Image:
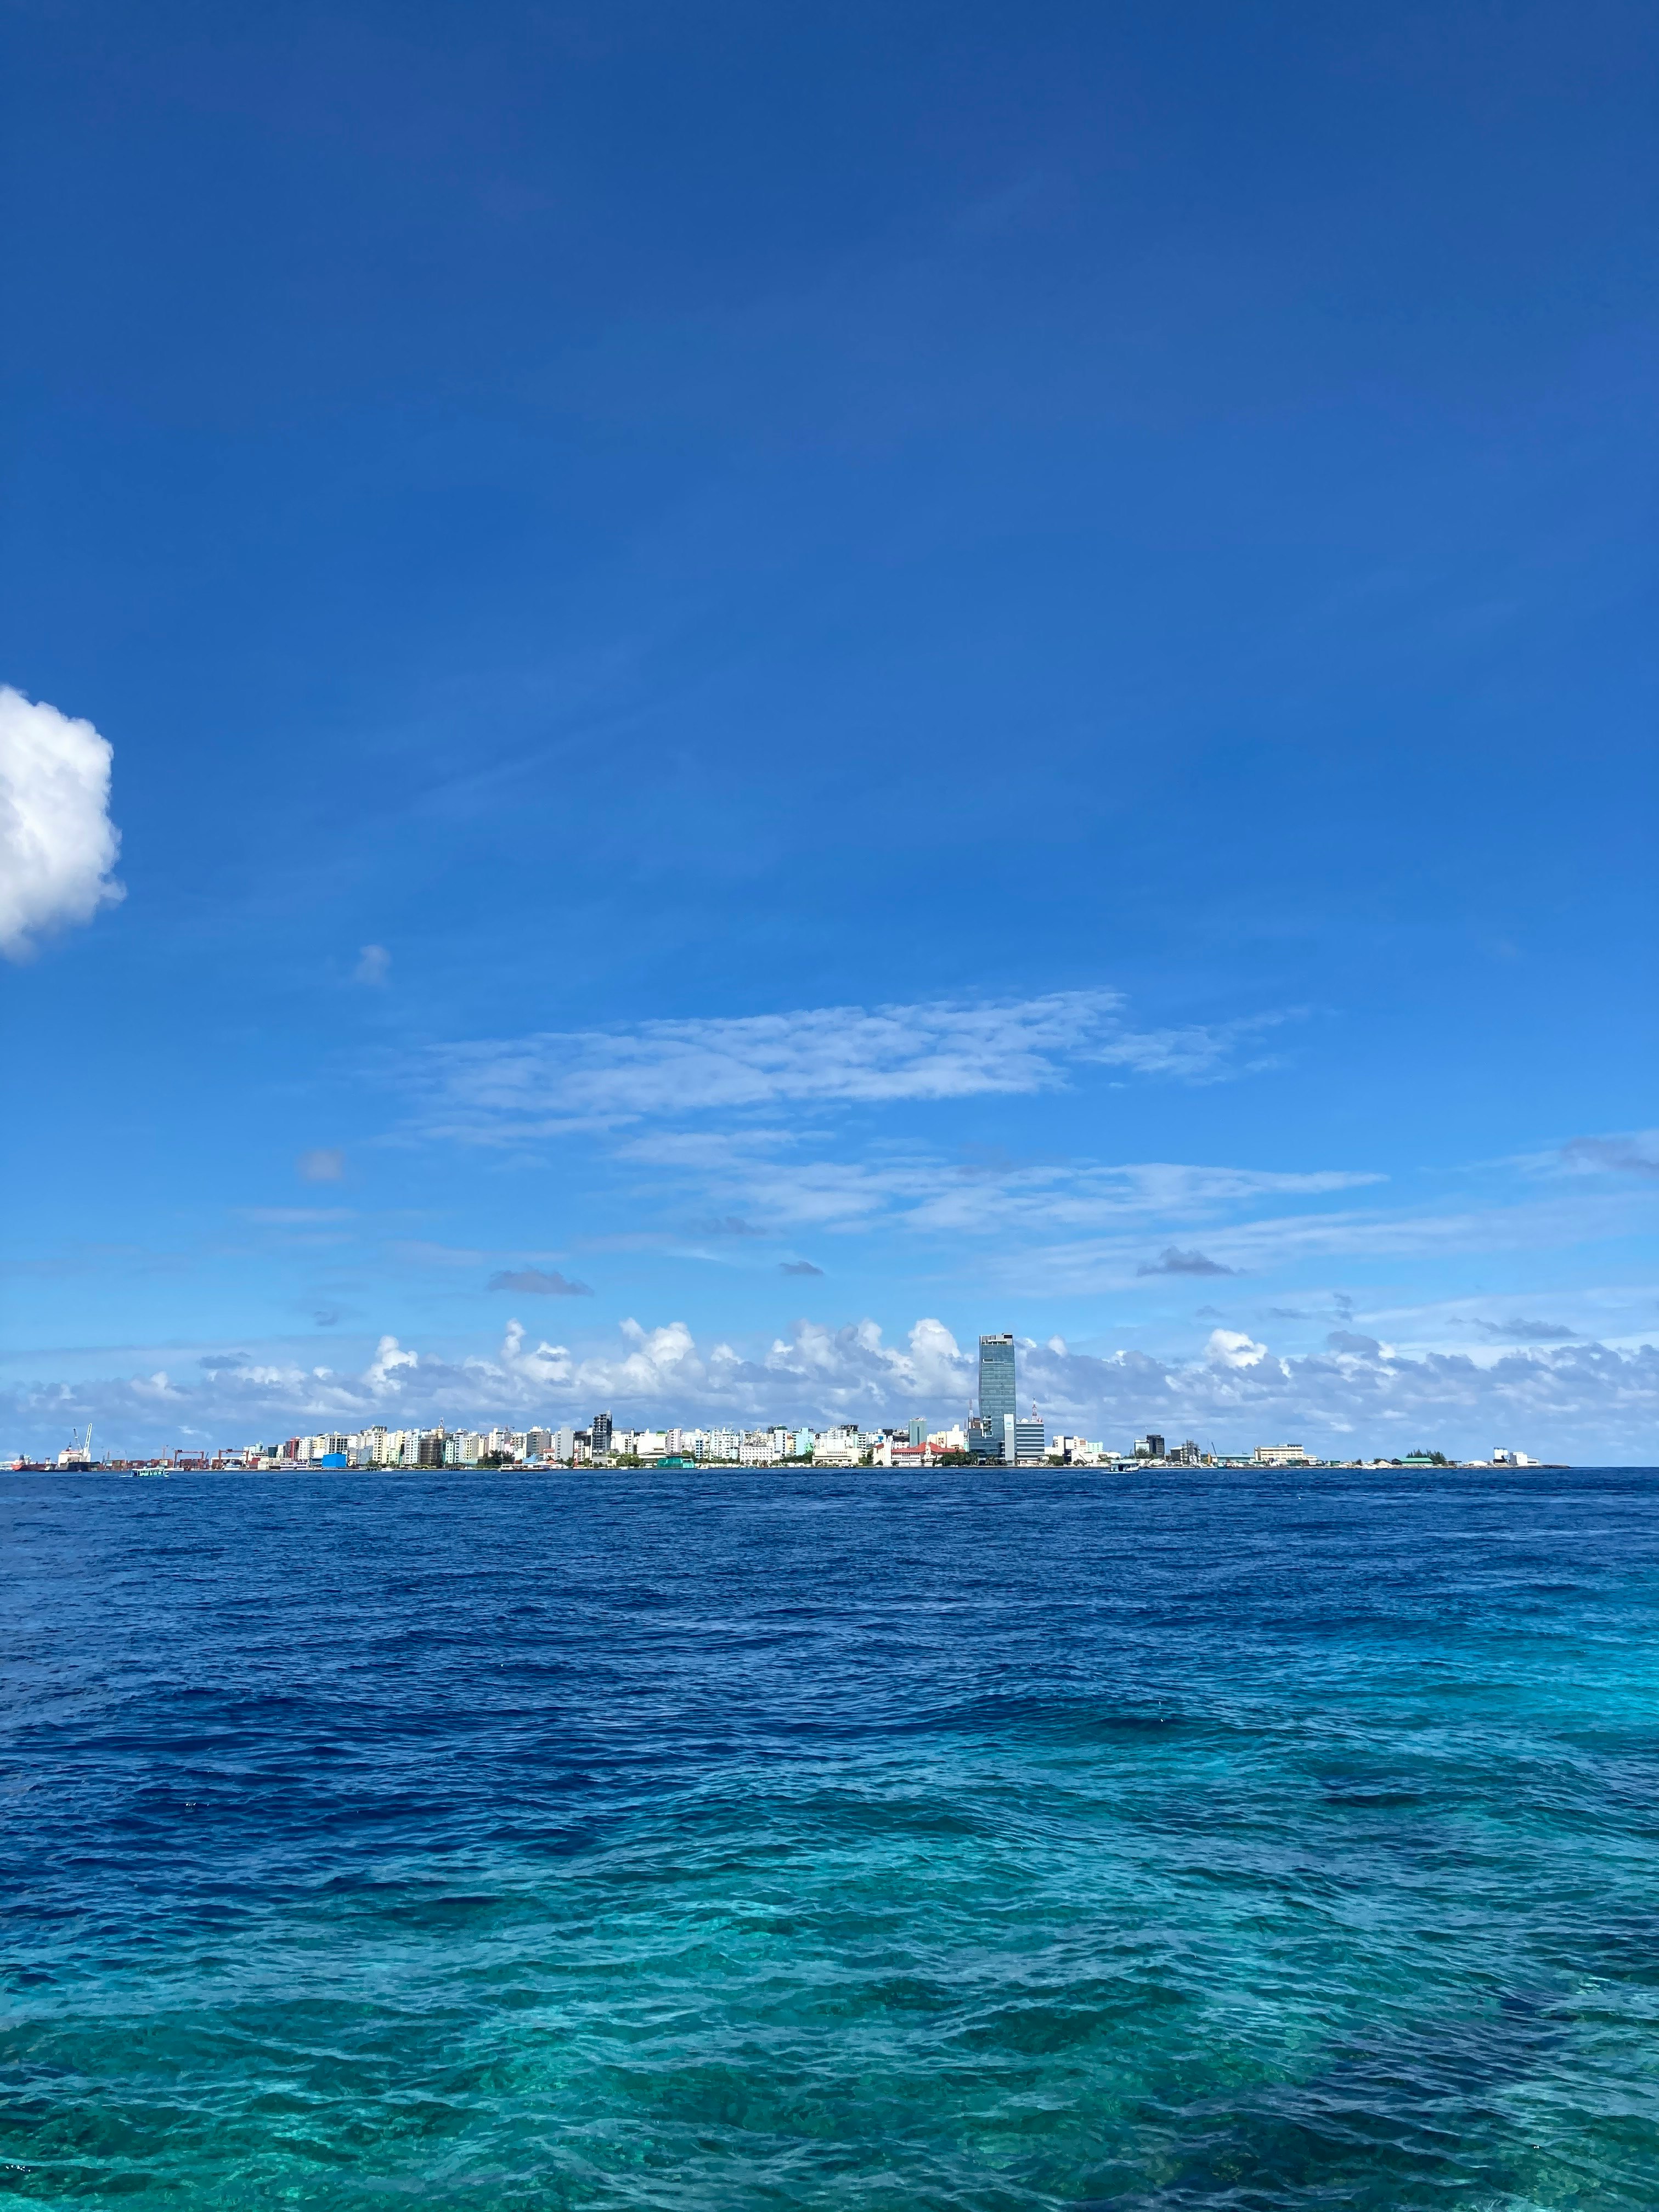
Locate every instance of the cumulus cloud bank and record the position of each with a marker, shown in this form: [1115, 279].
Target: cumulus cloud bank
[1584, 1402]
[58, 844]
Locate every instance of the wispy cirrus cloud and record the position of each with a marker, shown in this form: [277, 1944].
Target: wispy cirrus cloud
[1636, 1153]
[1278, 1240]
[762, 1171]
[503, 1090]
[290, 1217]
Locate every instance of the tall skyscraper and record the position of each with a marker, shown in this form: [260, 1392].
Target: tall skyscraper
[601, 1433]
[996, 1383]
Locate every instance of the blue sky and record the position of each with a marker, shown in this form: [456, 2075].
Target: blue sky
[784, 684]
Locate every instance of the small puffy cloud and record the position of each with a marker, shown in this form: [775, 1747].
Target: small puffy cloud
[1635, 1154]
[798, 1268]
[1171, 1261]
[1230, 1347]
[729, 1225]
[1349, 1343]
[545, 1367]
[57, 844]
[391, 1367]
[324, 1163]
[538, 1282]
[1526, 1332]
[373, 965]
[657, 1362]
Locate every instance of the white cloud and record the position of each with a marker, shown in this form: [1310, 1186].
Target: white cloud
[537, 1283]
[506, 1090]
[1635, 1152]
[1257, 1248]
[1229, 1347]
[57, 844]
[326, 1164]
[853, 1370]
[931, 1193]
[1586, 1403]
[373, 965]
[391, 1367]
[545, 1366]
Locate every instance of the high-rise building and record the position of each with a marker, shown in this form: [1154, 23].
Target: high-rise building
[1022, 1441]
[600, 1434]
[1149, 1447]
[918, 1429]
[996, 1382]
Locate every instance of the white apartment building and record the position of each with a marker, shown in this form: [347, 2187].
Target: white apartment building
[1076, 1451]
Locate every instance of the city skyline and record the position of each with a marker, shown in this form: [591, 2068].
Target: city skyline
[989, 1433]
[601, 1448]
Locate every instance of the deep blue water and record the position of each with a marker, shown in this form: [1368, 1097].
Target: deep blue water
[724, 1841]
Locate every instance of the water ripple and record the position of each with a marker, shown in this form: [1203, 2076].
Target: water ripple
[741, 1843]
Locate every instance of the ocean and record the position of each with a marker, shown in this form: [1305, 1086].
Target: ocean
[715, 1842]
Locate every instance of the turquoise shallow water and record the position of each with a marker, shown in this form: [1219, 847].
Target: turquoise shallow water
[758, 1841]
